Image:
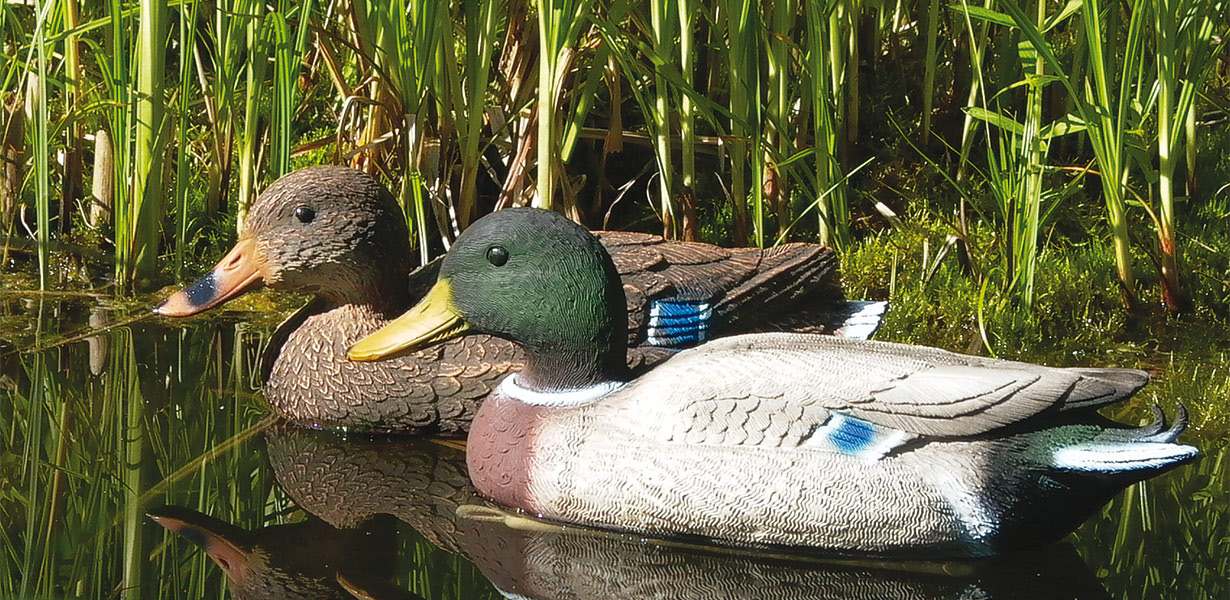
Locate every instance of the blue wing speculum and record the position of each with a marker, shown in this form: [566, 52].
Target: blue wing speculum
[678, 322]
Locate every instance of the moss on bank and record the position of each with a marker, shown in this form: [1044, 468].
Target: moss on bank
[1078, 316]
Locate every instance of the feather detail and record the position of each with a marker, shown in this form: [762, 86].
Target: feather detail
[856, 438]
[1122, 457]
[678, 322]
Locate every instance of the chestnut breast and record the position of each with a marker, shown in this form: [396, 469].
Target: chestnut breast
[501, 449]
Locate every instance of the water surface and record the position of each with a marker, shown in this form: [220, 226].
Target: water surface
[163, 418]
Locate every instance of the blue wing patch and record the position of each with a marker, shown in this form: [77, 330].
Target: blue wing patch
[857, 438]
[852, 436]
[678, 322]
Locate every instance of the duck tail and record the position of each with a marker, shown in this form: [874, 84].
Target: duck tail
[1143, 451]
[1104, 386]
[857, 319]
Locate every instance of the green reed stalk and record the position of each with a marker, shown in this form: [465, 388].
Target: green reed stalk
[482, 19]
[1108, 136]
[687, 109]
[183, 160]
[221, 84]
[664, 31]
[414, 68]
[834, 214]
[559, 22]
[37, 99]
[1028, 202]
[1016, 158]
[586, 94]
[1106, 123]
[933, 29]
[780, 99]
[979, 41]
[1192, 37]
[402, 42]
[850, 11]
[146, 179]
[288, 53]
[254, 75]
[1189, 133]
[844, 77]
[117, 93]
[71, 182]
[1165, 23]
[743, 33]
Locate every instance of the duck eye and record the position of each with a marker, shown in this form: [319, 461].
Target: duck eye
[497, 255]
[305, 214]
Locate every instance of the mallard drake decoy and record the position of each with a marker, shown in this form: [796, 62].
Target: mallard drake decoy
[770, 439]
[337, 233]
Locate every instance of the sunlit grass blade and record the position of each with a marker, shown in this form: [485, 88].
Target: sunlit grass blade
[147, 189]
[559, 23]
[183, 159]
[743, 32]
[254, 84]
[41, 122]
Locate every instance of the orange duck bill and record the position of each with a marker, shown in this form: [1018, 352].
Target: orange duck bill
[238, 272]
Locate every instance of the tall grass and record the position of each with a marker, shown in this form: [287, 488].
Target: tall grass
[752, 114]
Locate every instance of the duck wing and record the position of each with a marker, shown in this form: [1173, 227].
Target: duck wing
[784, 390]
[683, 293]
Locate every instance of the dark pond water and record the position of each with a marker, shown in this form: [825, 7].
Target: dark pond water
[149, 418]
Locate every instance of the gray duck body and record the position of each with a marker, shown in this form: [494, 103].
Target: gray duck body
[762, 456]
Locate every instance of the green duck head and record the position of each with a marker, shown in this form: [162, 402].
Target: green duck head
[331, 231]
[530, 276]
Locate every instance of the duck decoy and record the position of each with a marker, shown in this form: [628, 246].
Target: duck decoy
[337, 233]
[771, 439]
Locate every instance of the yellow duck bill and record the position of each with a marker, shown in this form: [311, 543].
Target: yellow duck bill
[434, 319]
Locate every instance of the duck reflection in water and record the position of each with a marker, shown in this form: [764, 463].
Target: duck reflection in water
[353, 486]
[306, 560]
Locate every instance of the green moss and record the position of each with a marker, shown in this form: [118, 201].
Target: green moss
[1078, 317]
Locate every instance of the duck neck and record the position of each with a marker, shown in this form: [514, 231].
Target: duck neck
[383, 291]
[578, 348]
[568, 367]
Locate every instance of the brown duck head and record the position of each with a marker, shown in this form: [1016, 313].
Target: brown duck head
[331, 231]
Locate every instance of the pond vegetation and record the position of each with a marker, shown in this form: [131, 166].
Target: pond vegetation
[1044, 181]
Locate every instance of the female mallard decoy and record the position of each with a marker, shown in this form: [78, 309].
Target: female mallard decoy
[770, 439]
[337, 233]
